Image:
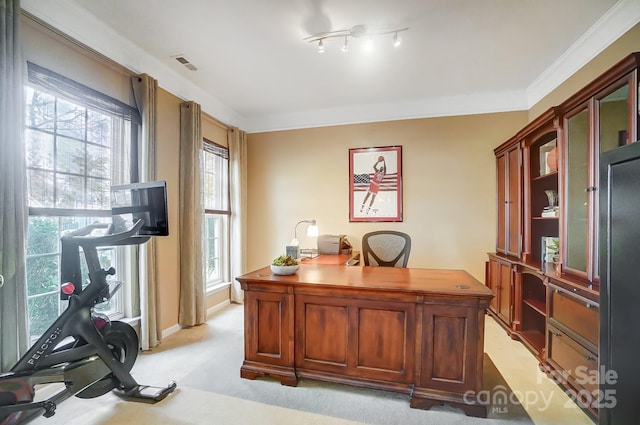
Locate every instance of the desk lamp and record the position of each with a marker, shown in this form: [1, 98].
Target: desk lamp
[293, 248]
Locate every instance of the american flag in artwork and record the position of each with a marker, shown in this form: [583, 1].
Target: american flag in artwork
[361, 182]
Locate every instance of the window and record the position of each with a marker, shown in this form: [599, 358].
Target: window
[215, 196]
[77, 143]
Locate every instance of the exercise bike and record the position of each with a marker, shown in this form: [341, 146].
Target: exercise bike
[82, 349]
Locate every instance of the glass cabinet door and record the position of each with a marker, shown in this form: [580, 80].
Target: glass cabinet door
[599, 127]
[613, 132]
[577, 133]
[613, 119]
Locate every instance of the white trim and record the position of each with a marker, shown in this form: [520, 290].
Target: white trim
[216, 308]
[613, 24]
[477, 103]
[86, 28]
[217, 287]
[170, 331]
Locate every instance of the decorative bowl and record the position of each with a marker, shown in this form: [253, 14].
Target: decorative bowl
[284, 270]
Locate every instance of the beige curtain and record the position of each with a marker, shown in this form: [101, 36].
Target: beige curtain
[13, 189]
[144, 90]
[192, 298]
[238, 193]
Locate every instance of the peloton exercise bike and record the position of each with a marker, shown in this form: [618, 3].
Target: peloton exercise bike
[83, 350]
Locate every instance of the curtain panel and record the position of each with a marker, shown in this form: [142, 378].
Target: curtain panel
[144, 90]
[238, 196]
[13, 189]
[192, 309]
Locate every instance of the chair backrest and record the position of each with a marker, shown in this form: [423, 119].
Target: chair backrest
[386, 248]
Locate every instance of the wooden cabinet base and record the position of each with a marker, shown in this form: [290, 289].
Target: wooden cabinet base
[252, 370]
[425, 399]
[412, 331]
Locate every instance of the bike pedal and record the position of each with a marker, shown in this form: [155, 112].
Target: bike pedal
[146, 393]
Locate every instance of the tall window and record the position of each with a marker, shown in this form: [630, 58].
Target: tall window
[78, 143]
[215, 196]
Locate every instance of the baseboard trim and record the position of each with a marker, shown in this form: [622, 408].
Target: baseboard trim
[170, 331]
[211, 311]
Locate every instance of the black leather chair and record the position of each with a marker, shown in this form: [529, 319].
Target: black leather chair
[386, 248]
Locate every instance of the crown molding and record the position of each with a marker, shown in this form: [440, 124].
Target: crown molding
[66, 16]
[612, 25]
[479, 103]
[82, 26]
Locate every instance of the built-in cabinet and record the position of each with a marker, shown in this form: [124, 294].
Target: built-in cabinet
[509, 186]
[500, 280]
[544, 273]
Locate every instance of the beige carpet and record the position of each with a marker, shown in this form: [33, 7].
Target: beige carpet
[205, 361]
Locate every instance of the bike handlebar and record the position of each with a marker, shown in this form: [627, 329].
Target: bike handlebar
[81, 236]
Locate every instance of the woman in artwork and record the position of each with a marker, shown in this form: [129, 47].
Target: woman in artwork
[380, 170]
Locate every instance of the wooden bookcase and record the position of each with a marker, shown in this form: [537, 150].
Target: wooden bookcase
[544, 273]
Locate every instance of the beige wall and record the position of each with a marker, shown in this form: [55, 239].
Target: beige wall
[167, 168]
[448, 178]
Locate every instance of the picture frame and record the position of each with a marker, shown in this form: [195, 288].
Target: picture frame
[549, 250]
[375, 184]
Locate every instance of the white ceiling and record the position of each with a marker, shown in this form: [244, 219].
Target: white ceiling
[256, 72]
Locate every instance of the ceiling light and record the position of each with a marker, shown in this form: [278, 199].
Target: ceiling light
[320, 46]
[368, 45]
[357, 31]
[396, 40]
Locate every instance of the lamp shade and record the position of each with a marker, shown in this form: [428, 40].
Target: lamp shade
[312, 230]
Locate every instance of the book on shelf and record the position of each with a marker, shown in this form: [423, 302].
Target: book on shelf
[550, 212]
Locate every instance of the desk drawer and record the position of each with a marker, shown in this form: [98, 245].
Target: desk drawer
[579, 363]
[578, 314]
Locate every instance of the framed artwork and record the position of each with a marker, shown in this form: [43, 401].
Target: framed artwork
[375, 184]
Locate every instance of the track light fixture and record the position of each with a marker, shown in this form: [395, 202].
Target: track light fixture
[356, 31]
[345, 46]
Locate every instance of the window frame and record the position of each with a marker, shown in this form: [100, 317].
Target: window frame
[125, 121]
[222, 214]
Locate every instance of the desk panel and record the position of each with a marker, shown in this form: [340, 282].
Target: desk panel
[416, 331]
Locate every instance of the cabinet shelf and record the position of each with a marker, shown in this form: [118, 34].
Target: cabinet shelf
[537, 305]
[545, 218]
[548, 176]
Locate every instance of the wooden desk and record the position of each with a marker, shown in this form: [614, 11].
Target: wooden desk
[415, 331]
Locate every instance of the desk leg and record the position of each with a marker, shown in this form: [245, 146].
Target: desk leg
[451, 356]
[268, 336]
[469, 405]
[253, 370]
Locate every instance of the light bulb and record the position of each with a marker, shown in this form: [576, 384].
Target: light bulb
[320, 46]
[396, 40]
[345, 47]
[368, 45]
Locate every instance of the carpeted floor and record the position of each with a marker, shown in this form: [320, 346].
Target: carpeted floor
[205, 361]
[222, 376]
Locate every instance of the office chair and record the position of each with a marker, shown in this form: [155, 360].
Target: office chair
[386, 248]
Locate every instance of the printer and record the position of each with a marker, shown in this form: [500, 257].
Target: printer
[333, 244]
